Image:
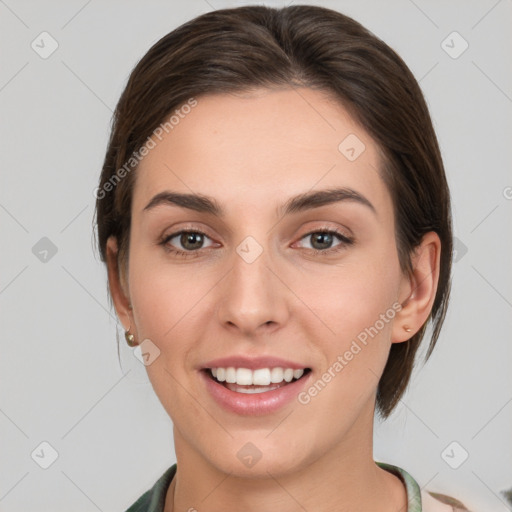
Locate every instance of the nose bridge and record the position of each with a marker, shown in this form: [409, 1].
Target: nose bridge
[251, 296]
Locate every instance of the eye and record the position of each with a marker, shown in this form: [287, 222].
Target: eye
[325, 240]
[187, 241]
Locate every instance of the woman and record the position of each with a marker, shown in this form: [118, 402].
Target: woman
[275, 219]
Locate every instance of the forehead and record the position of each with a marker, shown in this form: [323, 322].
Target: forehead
[261, 147]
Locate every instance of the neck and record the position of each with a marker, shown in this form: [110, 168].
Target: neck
[344, 479]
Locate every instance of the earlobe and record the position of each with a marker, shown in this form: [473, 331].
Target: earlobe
[120, 295]
[420, 288]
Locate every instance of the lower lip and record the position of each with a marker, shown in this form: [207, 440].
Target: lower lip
[256, 403]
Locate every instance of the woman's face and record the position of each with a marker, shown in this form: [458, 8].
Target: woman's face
[288, 260]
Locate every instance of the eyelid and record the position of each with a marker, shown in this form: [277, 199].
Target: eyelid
[341, 231]
[180, 227]
[167, 237]
[344, 240]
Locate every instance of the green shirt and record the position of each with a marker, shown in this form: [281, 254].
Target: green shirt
[154, 499]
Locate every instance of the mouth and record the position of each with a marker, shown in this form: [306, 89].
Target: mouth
[257, 381]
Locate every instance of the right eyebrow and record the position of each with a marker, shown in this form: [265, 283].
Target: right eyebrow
[196, 202]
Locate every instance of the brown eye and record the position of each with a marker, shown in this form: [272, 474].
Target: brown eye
[321, 240]
[191, 241]
[325, 241]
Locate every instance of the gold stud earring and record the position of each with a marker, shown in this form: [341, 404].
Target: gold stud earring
[130, 338]
[407, 328]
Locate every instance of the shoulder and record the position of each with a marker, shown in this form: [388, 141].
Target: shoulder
[421, 500]
[153, 500]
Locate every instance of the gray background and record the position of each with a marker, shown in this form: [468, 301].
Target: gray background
[61, 381]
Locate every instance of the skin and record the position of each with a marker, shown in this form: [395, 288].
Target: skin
[251, 153]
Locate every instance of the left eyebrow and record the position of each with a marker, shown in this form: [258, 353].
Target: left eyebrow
[316, 199]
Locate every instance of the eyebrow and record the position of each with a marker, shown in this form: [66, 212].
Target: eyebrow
[316, 199]
[302, 202]
[196, 202]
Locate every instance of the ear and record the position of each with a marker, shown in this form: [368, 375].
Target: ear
[118, 288]
[418, 289]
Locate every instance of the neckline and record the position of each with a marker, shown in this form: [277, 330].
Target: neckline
[411, 487]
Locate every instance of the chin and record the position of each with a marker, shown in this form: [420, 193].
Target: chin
[257, 457]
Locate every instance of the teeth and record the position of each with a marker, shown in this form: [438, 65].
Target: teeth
[276, 375]
[230, 375]
[244, 377]
[297, 374]
[259, 377]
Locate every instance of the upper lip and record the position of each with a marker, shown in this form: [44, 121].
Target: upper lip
[253, 363]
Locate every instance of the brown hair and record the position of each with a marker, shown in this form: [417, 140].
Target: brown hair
[235, 50]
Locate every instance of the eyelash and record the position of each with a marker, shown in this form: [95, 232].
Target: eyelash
[342, 238]
[179, 252]
[344, 241]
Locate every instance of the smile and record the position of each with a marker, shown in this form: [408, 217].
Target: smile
[256, 391]
[261, 380]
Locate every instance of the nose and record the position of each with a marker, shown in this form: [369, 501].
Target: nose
[252, 300]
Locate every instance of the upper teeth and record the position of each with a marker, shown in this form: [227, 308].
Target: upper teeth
[260, 377]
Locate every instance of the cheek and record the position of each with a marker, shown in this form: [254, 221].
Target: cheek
[164, 297]
[349, 299]
[358, 311]
[167, 303]
[355, 307]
